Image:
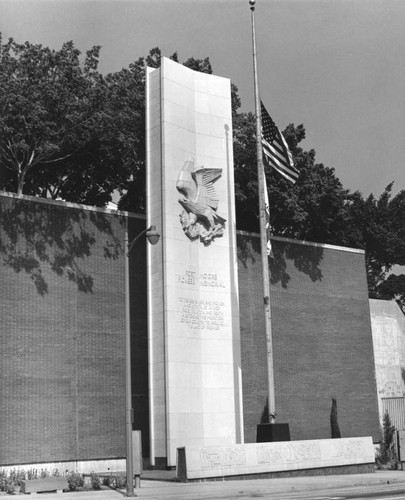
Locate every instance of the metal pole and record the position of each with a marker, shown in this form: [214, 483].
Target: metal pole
[128, 387]
[263, 236]
[153, 237]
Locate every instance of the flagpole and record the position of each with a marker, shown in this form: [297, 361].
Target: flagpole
[263, 236]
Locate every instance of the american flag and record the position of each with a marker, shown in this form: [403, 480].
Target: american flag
[275, 150]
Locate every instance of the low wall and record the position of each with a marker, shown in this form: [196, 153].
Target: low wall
[261, 458]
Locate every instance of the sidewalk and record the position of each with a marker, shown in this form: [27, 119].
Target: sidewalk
[156, 485]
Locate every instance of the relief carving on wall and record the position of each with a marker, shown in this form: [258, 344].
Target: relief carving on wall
[199, 217]
[231, 456]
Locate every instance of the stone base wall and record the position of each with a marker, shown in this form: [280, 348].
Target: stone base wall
[269, 459]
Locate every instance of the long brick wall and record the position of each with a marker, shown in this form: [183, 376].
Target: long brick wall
[321, 339]
[62, 366]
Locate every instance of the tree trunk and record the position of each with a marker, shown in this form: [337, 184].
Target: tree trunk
[20, 182]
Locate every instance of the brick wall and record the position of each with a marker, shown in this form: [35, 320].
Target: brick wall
[62, 367]
[321, 338]
[62, 370]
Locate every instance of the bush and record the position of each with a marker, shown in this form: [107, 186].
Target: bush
[11, 482]
[32, 474]
[3, 480]
[121, 482]
[334, 424]
[95, 481]
[7, 483]
[44, 473]
[75, 481]
[387, 455]
[10, 487]
[116, 482]
[106, 481]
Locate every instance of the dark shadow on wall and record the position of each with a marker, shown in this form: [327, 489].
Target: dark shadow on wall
[34, 235]
[306, 258]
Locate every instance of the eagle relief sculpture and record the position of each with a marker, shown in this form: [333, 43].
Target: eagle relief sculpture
[199, 200]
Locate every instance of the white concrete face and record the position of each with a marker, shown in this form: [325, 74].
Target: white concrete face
[200, 463]
[195, 386]
[388, 328]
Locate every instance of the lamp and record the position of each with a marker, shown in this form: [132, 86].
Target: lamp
[153, 237]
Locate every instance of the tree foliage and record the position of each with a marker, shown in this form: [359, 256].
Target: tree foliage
[51, 107]
[378, 226]
[67, 131]
[318, 208]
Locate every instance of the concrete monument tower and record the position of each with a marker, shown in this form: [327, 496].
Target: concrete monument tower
[194, 344]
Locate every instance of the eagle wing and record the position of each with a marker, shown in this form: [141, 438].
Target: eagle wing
[205, 178]
[186, 183]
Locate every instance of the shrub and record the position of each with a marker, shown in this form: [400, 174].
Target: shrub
[387, 455]
[75, 481]
[32, 474]
[12, 476]
[10, 487]
[44, 473]
[95, 481]
[3, 480]
[334, 424]
[106, 481]
[116, 482]
[120, 482]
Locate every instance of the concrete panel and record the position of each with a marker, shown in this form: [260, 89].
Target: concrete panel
[388, 327]
[243, 459]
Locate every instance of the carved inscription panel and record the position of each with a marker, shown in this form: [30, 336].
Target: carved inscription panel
[230, 456]
[271, 457]
[291, 453]
[195, 278]
[200, 314]
[206, 310]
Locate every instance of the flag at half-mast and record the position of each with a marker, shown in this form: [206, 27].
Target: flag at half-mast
[275, 149]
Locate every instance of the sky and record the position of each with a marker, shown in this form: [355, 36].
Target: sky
[337, 66]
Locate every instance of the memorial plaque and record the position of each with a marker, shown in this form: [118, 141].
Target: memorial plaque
[195, 380]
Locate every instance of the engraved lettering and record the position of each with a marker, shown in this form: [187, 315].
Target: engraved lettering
[212, 458]
[200, 314]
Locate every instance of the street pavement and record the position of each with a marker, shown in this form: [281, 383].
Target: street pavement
[156, 485]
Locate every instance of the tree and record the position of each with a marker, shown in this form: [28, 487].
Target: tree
[377, 226]
[66, 131]
[51, 107]
[387, 453]
[130, 84]
[318, 208]
[393, 287]
[312, 209]
[127, 98]
[334, 424]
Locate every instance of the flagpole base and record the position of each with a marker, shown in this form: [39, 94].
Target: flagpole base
[269, 433]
